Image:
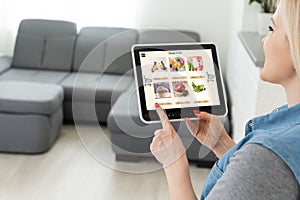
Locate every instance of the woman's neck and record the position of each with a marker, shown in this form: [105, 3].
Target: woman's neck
[292, 90]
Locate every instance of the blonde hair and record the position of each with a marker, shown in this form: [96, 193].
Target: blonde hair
[291, 19]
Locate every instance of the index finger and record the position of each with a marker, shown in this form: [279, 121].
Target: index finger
[162, 115]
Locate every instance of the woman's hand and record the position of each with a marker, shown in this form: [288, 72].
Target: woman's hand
[168, 149]
[166, 145]
[210, 132]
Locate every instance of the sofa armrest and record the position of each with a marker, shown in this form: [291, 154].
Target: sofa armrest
[5, 63]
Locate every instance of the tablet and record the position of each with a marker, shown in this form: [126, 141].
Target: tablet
[181, 77]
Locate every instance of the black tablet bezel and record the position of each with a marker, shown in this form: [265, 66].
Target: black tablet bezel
[174, 114]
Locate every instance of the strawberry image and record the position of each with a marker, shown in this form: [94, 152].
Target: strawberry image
[182, 86]
[180, 89]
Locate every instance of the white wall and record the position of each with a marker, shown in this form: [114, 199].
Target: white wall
[83, 13]
[249, 16]
[5, 33]
[211, 18]
[237, 24]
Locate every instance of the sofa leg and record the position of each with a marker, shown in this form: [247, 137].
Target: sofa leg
[127, 158]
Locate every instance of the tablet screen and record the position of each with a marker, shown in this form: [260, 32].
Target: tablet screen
[179, 78]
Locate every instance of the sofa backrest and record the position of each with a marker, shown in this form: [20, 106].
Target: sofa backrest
[107, 49]
[55, 45]
[104, 49]
[149, 36]
[45, 44]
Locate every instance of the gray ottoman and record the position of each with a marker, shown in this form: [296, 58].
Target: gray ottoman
[30, 116]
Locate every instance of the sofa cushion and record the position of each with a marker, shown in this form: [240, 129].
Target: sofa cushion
[88, 38]
[5, 63]
[28, 51]
[103, 46]
[34, 75]
[193, 36]
[124, 116]
[58, 53]
[118, 59]
[24, 97]
[45, 44]
[94, 87]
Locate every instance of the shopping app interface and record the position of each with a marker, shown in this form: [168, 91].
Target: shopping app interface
[179, 79]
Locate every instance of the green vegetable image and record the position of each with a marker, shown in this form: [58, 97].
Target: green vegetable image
[190, 66]
[198, 88]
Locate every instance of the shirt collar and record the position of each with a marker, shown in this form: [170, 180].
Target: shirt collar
[280, 117]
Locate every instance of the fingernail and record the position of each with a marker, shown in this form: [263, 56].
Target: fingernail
[156, 105]
[196, 111]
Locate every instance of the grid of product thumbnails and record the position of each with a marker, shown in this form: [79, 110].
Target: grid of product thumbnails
[178, 79]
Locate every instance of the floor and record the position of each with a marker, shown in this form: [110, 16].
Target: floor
[72, 169]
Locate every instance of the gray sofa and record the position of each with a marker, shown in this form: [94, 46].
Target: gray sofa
[94, 68]
[49, 51]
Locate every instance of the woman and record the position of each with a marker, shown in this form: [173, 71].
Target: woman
[266, 163]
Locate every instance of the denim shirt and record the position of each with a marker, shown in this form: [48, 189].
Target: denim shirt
[278, 131]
